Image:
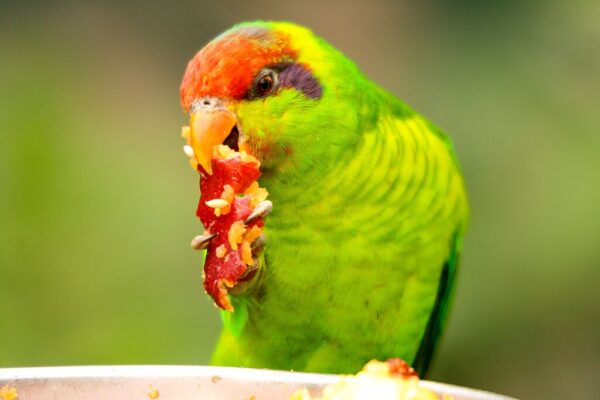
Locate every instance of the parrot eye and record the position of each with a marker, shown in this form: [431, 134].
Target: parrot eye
[266, 82]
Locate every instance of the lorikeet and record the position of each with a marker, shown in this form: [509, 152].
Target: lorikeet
[369, 206]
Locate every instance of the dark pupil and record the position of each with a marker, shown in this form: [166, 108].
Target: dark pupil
[265, 84]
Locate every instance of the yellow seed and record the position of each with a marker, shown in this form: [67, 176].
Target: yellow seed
[224, 152]
[228, 195]
[247, 253]
[220, 251]
[8, 393]
[236, 233]
[256, 194]
[252, 188]
[252, 234]
[185, 132]
[154, 393]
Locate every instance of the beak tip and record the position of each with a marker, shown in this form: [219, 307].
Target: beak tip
[205, 163]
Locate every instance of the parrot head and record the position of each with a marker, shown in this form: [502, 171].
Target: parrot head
[274, 90]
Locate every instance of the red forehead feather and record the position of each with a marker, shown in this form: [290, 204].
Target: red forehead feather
[226, 67]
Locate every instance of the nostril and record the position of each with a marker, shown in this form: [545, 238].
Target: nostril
[206, 103]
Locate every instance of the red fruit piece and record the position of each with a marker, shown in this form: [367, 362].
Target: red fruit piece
[400, 368]
[228, 254]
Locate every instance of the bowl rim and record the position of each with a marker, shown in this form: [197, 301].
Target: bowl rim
[182, 372]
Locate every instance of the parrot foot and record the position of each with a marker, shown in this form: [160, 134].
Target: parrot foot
[258, 245]
[201, 242]
[248, 277]
[263, 209]
[251, 268]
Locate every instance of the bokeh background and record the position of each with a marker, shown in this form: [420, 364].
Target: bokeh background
[97, 200]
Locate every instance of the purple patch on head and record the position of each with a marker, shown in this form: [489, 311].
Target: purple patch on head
[302, 79]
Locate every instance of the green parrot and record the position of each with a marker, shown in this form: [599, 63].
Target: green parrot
[369, 205]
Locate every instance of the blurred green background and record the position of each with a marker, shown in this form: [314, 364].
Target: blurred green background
[97, 200]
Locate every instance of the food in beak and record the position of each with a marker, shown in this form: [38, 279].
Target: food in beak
[229, 194]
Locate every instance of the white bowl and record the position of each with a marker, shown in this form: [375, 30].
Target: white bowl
[180, 383]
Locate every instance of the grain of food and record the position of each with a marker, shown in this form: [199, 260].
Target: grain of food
[391, 380]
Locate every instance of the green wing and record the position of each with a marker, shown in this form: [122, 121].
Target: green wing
[437, 321]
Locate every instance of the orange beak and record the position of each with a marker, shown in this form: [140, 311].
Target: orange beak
[209, 128]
